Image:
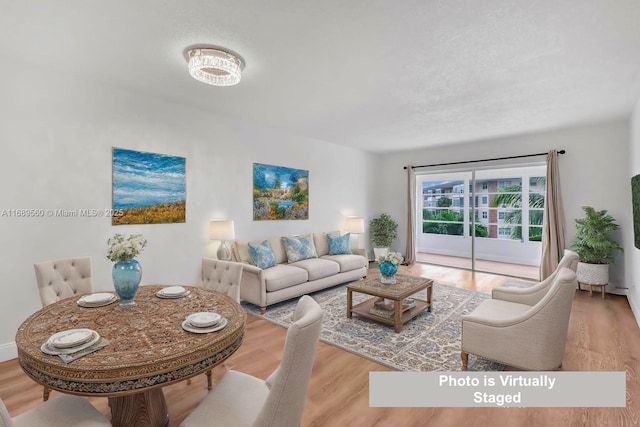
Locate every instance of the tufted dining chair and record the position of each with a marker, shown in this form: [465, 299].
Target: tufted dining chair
[61, 279]
[63, 411]
[224, 277]
[241, 400]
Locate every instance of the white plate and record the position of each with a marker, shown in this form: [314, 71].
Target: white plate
[97, 298]
[161, 295]
[83, 303]
[190, 328]
[70, 338]
[203, 319]
[46, 348]
[174, 291]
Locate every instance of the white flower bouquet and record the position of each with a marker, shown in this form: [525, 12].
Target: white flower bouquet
[123, 248]
[394, 258]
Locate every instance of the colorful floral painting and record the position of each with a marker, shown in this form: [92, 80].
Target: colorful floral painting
[280, 193]
[148, 188]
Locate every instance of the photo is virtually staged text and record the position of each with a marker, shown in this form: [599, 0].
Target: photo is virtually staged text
[497, 389]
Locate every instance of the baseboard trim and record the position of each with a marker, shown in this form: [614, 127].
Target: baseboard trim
[635, 307]
[8, 351]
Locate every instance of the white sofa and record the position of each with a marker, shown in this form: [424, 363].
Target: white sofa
[264, 287]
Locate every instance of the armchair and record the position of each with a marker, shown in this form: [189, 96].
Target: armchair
[528, 330]
[531, 294]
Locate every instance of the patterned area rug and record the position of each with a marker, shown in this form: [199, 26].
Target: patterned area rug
[429, 342]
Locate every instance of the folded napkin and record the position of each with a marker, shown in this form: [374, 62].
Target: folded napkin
[68, 358]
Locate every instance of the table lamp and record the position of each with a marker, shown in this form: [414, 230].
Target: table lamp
[355, 225]
[222, 230]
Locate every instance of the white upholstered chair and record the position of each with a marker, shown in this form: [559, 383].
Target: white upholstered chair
[63, 411]
[61, 279]
[224, 277]
[523, 330]
[533, 291]
[242, 400]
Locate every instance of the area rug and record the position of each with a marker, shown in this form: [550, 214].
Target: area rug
[429, 342]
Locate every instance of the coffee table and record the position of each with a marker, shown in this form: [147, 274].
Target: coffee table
[404, 287]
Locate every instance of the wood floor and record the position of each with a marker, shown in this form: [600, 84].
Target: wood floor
[526, 272]
[603, 336]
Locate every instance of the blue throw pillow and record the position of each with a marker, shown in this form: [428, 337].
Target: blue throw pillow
[339, 245]
[299, 248]
[262, 254]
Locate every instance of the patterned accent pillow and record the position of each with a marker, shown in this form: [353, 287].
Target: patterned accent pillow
[299, 248]
[262, 254]
[339, 245]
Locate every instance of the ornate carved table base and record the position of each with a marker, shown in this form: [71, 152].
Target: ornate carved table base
[147, 409]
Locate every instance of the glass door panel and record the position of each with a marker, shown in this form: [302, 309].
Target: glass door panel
[514, 211]
[444, 236]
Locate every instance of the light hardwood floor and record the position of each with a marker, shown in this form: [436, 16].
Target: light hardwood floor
[603, 336]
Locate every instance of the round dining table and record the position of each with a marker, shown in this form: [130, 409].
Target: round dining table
[146, 349]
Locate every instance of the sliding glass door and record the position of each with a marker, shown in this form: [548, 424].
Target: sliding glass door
[483, 219]
[445, 216]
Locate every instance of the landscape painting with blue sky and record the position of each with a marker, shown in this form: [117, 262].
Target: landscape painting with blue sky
[280, 192]
[148, 188]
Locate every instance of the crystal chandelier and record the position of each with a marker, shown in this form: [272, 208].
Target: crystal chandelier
[215, 67]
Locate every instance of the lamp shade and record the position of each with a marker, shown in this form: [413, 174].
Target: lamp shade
[355, 225]
[221, 229]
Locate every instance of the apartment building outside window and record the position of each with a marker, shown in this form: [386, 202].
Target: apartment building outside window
[504, 215]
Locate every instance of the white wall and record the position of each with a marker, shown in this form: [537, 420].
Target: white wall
[632, 254]
[594, 171]
[57, 134]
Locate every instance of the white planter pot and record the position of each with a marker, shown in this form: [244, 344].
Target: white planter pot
[378, 252]
[593, 274]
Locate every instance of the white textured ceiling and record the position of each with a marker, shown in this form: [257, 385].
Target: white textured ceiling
[377, 75]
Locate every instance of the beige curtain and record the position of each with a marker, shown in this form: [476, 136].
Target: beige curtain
[553, 225]
[410, 256]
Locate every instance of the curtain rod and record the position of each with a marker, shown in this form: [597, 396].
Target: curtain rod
[485, 160]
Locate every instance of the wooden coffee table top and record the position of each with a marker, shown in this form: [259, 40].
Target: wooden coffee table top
[404, 287]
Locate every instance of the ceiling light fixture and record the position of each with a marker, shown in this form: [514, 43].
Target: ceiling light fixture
[215, 67]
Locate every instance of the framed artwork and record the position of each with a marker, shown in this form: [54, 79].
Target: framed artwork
[148, 188]
[280, 193]
[635, 201]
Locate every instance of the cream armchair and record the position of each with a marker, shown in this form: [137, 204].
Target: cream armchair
[531, 294]
[526, 330]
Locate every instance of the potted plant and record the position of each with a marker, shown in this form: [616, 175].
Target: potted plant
[595, 246]
[383, 231]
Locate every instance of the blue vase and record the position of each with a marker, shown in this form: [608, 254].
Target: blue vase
[126, 279]
[388, 272]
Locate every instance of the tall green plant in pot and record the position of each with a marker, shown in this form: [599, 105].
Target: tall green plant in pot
[595, 246]
[383, 231]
